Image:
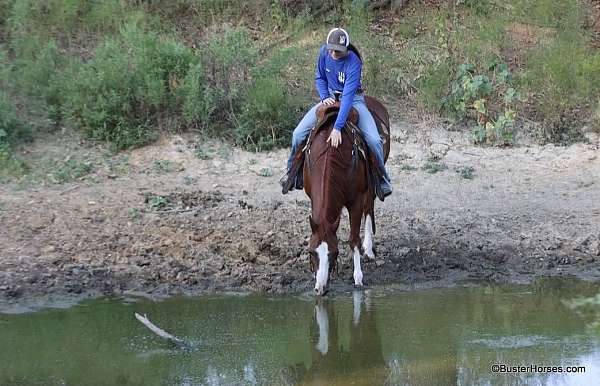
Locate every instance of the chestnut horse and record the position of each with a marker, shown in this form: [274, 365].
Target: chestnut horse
[335, 178]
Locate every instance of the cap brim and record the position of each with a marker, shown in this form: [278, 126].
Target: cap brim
[337, 47]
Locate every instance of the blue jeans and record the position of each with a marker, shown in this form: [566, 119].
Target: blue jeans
[366, 123]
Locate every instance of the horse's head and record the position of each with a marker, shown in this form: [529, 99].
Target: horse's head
[323, 252]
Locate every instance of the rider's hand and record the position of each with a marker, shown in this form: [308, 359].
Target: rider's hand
[335, 138]
[328, 101]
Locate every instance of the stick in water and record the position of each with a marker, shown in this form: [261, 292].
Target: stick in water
[159, 331]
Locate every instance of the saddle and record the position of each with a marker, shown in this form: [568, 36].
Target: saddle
[360, 148]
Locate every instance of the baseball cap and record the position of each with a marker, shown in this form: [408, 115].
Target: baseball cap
[338, 40]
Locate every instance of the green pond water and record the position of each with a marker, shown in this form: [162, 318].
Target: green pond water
[371, 337]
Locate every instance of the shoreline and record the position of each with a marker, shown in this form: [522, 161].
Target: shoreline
[458, 212]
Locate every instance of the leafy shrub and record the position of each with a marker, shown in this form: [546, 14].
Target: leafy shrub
[197, 98]
[466, 88]
[9, 126]
[268, 115]
[432, 86]
[228, 60]
[12, 130]
[118, 95]
[41, 78]
[480, 7]
[490, 99]
[562, 77]
[70, 170]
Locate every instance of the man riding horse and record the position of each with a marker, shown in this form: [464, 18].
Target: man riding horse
[338, 73]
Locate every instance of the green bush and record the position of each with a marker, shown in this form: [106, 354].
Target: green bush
[268, 115]
[132, 79]
[480, 7]
[228, 60]
[433, 85]
[488, 97]
[40, 79]
[9, 125]
[52, 18]
[197, 98]
[563, 77]
[12, 131]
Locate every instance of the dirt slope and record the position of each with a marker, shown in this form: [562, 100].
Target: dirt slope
[224, 225]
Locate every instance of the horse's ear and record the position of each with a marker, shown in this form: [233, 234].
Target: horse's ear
[313, 226]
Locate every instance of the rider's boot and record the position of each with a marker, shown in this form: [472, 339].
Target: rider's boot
[383, 188]
[286, 183]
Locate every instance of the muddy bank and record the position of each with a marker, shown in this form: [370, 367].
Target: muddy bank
[458, 213]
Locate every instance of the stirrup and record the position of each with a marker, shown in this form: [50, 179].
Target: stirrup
[286, 183]
[380, 192]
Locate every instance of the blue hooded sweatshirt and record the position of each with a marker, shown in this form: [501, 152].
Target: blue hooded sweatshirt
[338, 75]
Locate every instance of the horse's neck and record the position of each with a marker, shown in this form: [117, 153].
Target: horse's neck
[333, 182]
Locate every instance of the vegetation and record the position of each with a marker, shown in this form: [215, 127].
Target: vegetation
[122, 72]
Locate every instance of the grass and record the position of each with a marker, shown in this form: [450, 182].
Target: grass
[117, 165]
[157, 202]
[124, 72]
[162, 166]
[466, 172]
[50, 171]
[433, 167]
[133, 213]
[407, 167]
[265, 172]
[212, 149]
[70, 170]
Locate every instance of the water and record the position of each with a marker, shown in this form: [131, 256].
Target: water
[377, 336]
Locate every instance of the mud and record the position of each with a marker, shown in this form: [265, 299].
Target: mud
[221, 224]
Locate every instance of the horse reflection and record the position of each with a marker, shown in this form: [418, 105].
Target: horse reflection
[337, 359]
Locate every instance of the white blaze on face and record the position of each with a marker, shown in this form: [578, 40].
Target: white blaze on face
[368, 241]
[323, 323]
[323, 272]
[358, 275]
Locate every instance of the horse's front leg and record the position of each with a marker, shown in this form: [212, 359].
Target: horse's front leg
[355, 214]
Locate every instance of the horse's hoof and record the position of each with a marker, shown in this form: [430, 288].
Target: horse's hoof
[358, 280]
[319, 292]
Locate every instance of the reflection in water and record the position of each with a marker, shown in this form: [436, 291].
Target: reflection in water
[333, 361]
[323, 323]
[371, 337]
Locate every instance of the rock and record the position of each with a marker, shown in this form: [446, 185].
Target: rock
[40, 222]
[594, 247]
[592, 137]
[403, 252]
[49, 249]
[379, 262]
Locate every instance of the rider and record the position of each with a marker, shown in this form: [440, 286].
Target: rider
[339, 72]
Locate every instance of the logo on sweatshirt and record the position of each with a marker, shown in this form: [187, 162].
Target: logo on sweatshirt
[341, 77]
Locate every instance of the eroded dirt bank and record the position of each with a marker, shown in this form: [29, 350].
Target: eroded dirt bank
[459, 212]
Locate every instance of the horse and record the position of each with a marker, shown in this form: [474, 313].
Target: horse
[340, 177]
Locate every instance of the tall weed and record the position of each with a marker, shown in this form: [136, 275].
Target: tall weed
[118, 95]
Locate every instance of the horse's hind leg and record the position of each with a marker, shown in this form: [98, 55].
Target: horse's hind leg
[355, 218]
[369, 222]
